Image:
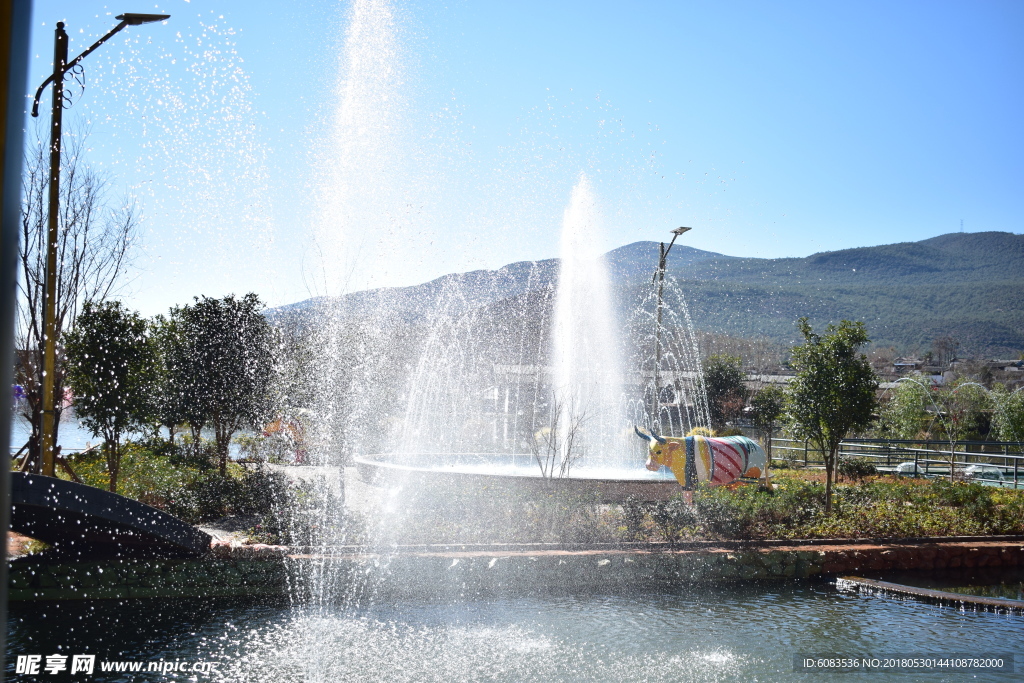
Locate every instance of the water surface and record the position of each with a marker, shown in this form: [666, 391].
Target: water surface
[740, 633]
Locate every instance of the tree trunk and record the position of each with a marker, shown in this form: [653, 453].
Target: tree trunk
[952, 460]
[113, 463]
[222, 435]
[197, 432]
[830, 459]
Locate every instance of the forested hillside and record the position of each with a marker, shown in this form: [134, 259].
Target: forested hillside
[966, 285]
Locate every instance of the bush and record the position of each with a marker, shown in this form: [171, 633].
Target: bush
[751, 511]
[214, 495]
[182, 480]
[856, 468]
[272, 449]
[634, 513]
[673, 517]
[973, 498]
[305, 514]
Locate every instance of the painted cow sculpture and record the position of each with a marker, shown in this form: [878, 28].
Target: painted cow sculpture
[716, 461]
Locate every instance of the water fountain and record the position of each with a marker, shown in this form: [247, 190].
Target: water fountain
[469, 402]
[588, 379]
[571, 425]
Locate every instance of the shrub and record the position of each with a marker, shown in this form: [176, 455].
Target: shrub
[856, 468]
[634, 513]
[306, 514]
[672, 517]
[215, 495]
[974, 498]
[181, 480]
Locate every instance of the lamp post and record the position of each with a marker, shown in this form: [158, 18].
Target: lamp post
[659, 277]
[61, 67]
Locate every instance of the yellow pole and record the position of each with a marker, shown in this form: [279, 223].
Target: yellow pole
[49, 428]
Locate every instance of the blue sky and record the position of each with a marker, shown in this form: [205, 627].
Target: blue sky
[773, 128]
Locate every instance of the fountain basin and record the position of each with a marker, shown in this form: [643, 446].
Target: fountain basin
[519, 472]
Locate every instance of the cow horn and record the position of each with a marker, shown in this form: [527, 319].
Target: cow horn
[643, 436]
[657, 438]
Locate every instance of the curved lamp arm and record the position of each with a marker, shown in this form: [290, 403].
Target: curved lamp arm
[126, 20]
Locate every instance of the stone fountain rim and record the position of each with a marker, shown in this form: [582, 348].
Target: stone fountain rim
[371, 461]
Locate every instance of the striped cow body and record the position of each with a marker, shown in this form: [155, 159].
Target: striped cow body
[716, 461]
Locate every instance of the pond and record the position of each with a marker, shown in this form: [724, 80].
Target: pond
[736, 633]
[988, 582]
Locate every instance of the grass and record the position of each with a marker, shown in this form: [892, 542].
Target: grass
[183, 481]
[874, 507]
[877, 507]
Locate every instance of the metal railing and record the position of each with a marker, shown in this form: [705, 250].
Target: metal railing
[995, 463]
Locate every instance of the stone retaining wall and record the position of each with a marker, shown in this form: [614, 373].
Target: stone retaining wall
[486, 572]
[118, 579]
[269, 571]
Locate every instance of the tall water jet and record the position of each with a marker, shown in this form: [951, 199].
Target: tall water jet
[359, 157]
[587, 372]
[356, 198]
[358, 161]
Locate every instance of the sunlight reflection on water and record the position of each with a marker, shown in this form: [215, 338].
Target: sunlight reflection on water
[702, 634]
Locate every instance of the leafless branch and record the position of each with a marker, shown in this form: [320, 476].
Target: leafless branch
[94, 246]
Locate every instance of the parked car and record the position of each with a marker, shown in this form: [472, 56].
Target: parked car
[908, 469]
[990, 472]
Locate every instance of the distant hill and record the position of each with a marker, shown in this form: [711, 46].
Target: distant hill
[968, 285]
[956, 257]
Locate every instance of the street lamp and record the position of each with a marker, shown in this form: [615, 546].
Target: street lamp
[659, 277]
[61, 68]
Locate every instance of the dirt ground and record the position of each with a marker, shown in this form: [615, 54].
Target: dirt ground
[17, 545]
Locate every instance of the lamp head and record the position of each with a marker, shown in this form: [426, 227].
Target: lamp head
[680, 230]
[136, 19]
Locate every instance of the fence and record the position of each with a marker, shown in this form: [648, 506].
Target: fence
[994, 463]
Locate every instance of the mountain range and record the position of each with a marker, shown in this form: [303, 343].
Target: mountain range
[969, 286]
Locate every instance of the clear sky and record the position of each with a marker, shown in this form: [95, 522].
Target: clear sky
[270, 155]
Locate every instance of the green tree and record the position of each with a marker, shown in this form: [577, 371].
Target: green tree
[221, 367]
[833, 393]
[905, 413]
[768, 406]
[723, 382]
[170, 400]
[960, 406]
[111, 371]
[1008, 415]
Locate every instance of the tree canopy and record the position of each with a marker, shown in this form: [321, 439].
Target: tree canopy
[767, 408]
[1008, 413]
[112, 373]
[220, 367]
[833, 392]
[97, 239]
[723, 381]
[905, 415]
